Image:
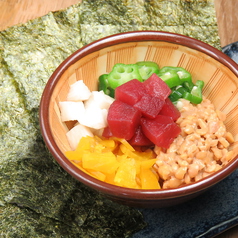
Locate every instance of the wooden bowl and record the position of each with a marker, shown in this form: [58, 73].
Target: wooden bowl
[167, 49]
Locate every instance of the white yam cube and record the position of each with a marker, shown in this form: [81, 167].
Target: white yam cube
[78, 92]
[71, 111]
[97, 132]
[95, 117]
[99, 99]
[76, 133]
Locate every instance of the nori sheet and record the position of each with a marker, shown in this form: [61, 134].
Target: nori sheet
[32, 52]
[37, 197]
[31, 224]
[194, 18]
[100, 223]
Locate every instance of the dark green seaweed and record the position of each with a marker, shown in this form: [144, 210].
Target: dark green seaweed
[188, 17]
[32, 52]
[24, 223]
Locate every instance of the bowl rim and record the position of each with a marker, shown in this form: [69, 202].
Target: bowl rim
[113, 190]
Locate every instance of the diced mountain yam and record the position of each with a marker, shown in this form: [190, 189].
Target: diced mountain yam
[99, 99]
[139, 139]
[157, 87]
[149, 106]
[130, 92]
[95, 117]
[123, 119]
[161, 130]
[78, 92]
[71, 111]
[169, 109]
[97, 132]
[76, 133]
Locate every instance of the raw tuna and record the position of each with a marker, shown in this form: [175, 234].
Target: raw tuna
[142, 113]
[130, 92]
[157, 87]
[139, 139]
[123, 119]
[170, 110]
[161, 131]
[149, 106]
[107, 132]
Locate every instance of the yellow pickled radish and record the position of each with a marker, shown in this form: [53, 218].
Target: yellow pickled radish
[103, 162]
[97, 174]
[124, 142]
[109, 144]
[98, 148]
[110, 178]
[148, 179]
[116, 162]
[148, 154]
[130, 153]
[137, 164]
[126, 174]
[85, 143]
[121, 157]
[79, 165]
[147, 164]
[74, 155]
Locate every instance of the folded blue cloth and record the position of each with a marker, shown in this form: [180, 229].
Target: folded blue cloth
[232, 51]
[204, 216]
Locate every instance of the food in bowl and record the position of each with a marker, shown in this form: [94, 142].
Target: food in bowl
[201, 149]
[174, 144]
[204, 62]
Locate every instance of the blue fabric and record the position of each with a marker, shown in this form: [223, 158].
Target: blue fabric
[205, 216]
[232, 51]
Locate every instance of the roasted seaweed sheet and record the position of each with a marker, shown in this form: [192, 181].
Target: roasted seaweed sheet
[194, 18]
[37, 197]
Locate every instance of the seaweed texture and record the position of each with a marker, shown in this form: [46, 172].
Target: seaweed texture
[194, 18]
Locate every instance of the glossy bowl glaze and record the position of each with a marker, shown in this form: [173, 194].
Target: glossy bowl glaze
[205, 63]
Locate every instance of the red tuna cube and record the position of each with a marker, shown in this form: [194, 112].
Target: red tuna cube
[107, 132]
[123, 119]
[149, 106]
[139, 139]
[170, 110]
[157, 87]
[161, 130]
[130, 92]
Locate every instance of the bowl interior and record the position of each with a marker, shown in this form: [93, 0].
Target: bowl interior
[221, 84]
[204, 62]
